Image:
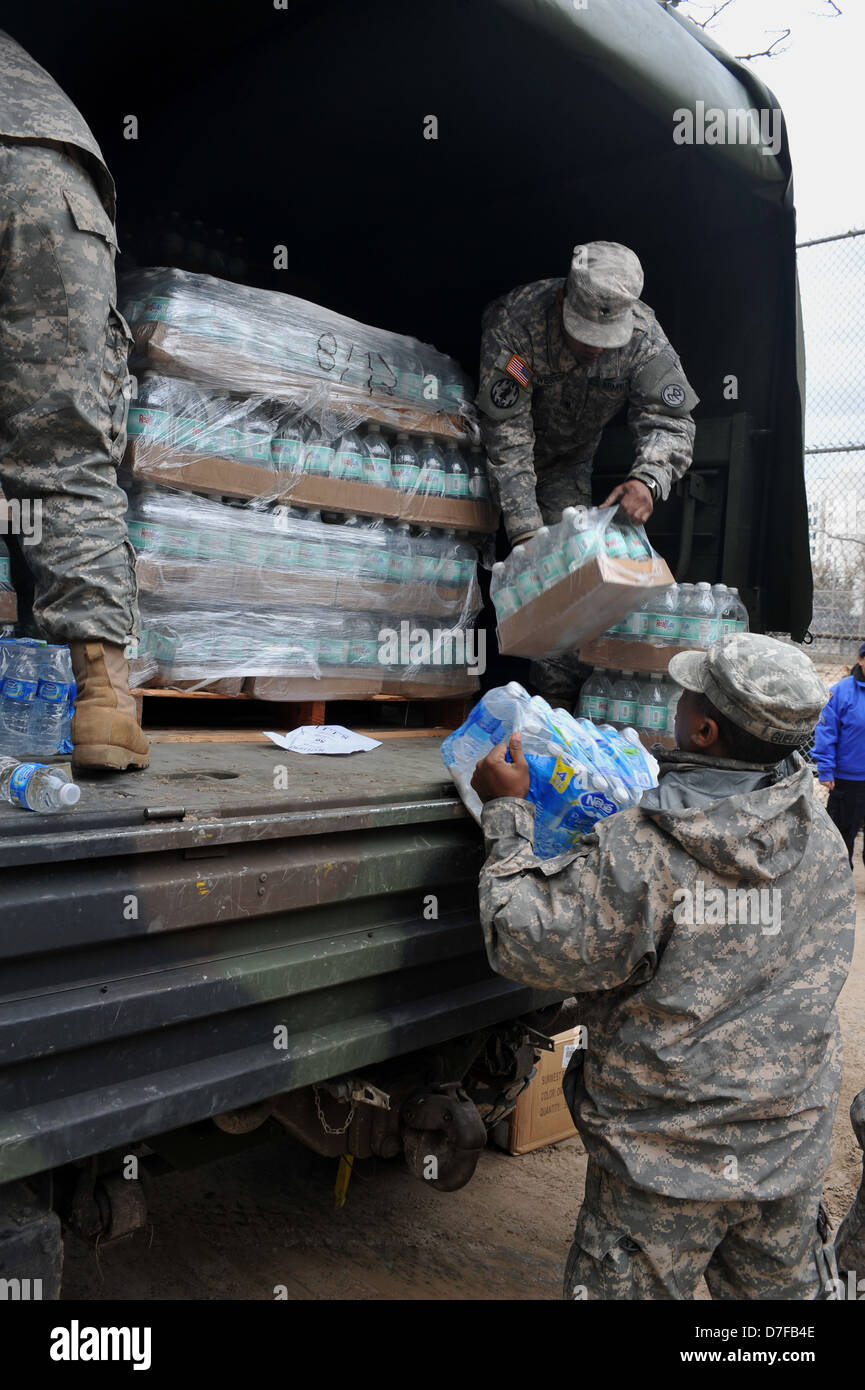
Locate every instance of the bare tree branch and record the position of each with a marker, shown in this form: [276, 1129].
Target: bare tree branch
[764, 52]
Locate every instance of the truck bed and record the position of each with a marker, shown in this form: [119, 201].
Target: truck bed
[155, 941]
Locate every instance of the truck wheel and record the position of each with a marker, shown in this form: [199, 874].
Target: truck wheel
[443, 1136]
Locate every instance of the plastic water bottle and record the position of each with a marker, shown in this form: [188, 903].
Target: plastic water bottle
[550, 559]
[363, 642]
[452, 560]
[401, 554]
[376, 458]
[20, 684]
[652, 705]
[623, 700]
[581, 536]
[286, 446]
[257, 434]
[456, 472]
[526, 579]
[405, 469]
[732, 614]
[432, 470]
[503, 592]
[699, 625]
[479, 489]
[49, 728]
[636, 542]
[151, 418]
[37, 787]
[615, 545]
[595, 696]
[320, 460]
[662, 617]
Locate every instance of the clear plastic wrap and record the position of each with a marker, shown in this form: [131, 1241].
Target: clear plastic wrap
[230, 592]
[569, 581]
[204, 644]
[580, 772]
[311, 449]
[196, 549]
[257, 340]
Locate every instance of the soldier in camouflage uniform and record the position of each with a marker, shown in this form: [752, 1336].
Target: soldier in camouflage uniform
[559, 359]
[706, 1091]
[64, 395]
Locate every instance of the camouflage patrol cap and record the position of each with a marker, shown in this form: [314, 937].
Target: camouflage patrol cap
[762, 685]
[604, 282]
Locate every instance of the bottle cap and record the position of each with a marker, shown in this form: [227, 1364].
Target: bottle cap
[69, 794]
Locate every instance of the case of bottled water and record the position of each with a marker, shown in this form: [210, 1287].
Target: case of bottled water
[684, 615]
[262, 379]
[37, 695]
[263, 342]
[590, 542]
[580, 772]
[227, 592]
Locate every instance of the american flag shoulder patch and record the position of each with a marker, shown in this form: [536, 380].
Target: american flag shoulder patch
[519, 370]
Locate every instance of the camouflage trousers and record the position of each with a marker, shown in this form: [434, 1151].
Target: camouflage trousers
[631, 1244]
[559, 678]
[64, 395]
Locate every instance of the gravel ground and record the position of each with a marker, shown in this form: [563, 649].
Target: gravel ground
[242, 1227]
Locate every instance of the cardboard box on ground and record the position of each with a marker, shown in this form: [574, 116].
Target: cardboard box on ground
[541, 1115]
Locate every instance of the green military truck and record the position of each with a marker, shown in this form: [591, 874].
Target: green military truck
[192, 960]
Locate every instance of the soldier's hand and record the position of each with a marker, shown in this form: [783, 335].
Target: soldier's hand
[493, 777]
[634, 498]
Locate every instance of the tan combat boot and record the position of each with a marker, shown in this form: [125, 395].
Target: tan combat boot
[105, 727]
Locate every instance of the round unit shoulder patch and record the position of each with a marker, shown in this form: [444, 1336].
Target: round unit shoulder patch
[504, 392]
[673, 394]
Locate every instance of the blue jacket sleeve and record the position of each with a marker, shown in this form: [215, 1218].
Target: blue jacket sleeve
[826, 736]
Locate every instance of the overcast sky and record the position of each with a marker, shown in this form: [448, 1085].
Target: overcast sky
[819, 81]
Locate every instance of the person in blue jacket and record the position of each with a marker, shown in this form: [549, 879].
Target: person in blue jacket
[839, 752]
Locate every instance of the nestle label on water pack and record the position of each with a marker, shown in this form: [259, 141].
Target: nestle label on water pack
[596, 805]
[20, 779]
[53, 691]
[14, 689]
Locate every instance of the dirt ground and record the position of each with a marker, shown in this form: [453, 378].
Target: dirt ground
[243, 1227]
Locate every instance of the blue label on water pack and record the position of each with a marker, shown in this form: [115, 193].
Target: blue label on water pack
[54, 691]
[19, 690]
[596, 804]
[20, 780]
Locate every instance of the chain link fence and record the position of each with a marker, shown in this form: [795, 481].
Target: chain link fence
[832, 284]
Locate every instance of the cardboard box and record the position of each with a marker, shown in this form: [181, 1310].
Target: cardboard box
[350, 685]
[223, 477]
[167, 349]
[625, 654]
[541, 1115]
[581, 606]
[8, 607]
[332, 687]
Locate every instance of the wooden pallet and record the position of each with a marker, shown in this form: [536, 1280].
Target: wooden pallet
[201, 716]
